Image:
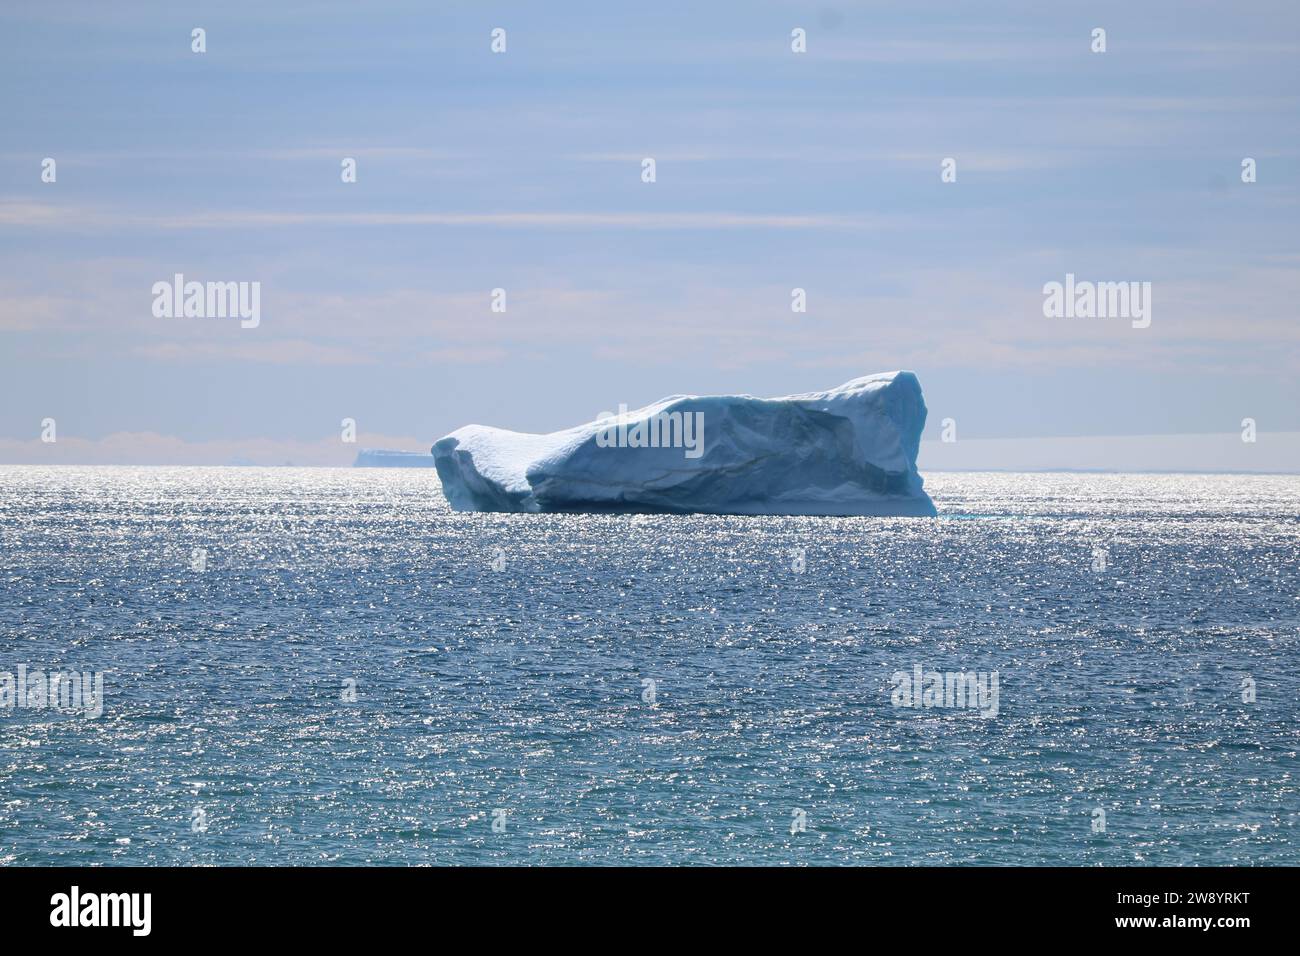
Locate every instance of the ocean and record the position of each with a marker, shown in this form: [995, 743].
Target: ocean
[327, 666]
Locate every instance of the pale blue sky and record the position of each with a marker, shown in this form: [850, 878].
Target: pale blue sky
[522, 171]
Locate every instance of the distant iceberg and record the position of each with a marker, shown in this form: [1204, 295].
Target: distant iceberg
[383, 458]
[848, 451]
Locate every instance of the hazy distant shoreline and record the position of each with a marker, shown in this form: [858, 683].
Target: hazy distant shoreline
[1272, 453]
[925, 472]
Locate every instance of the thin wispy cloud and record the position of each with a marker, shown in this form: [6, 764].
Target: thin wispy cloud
[37, 215]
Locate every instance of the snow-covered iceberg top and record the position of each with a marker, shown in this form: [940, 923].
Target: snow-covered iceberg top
[848, 451]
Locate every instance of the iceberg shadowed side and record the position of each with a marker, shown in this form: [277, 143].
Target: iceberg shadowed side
[848, 451]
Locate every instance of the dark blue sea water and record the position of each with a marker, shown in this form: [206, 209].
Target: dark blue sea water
[521, 694]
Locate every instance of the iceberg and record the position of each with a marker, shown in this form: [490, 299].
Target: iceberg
[847, 451]
[387, 458]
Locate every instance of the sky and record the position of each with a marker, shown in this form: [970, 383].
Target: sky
[522, 171]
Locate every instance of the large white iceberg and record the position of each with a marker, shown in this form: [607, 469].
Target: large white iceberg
[848, 451]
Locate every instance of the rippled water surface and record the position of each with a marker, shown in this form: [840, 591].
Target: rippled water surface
[523, 689]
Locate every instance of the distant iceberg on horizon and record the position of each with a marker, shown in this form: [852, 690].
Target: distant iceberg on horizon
[848, 451]
[386, 458]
